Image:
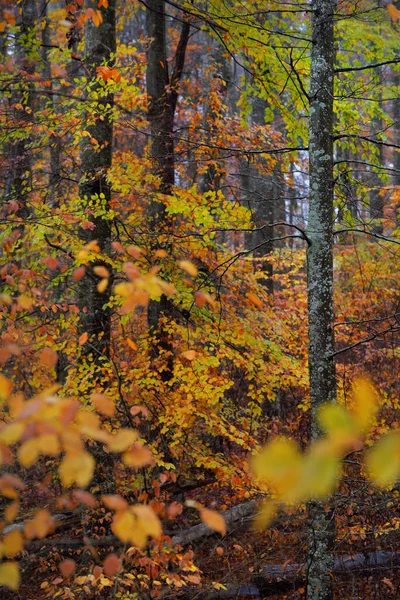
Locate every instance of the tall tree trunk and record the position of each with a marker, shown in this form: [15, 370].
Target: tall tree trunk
[396, 157]
[376, 204]
[320, 276]
[18, 176]
[162, 90]
[95, 190]
[54, 140]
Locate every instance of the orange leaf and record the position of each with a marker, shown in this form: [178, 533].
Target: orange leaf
[131, 344]
[114, 502]
[122, 440]
[103, 404]
[48, 357]
[101, 271]
[78, 273]
[200, 298]
[40, 526]
[85, 498]
[190, 354]
[214, 520]
[111, 565]
[83, 338]
[254, 299]
[174, 510]
[137, 457]
[394, 13]
[97, 17]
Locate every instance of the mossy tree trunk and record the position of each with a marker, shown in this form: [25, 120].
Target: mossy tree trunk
[320, 277]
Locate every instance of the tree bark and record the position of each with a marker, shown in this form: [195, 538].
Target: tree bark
[320, 277]
[162, 90]
[95, 190]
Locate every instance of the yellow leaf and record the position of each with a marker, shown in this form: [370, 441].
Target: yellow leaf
[77, 468]
[136, 525]
[123, 524]
[11, 433]
[365, 403]
[13, 542]
[11, 511]
[319, 472]
[102, 285]
[278, 464]
[122, 440]
[24, 302]
[5, 387]
[147, 524]
[29, 452]
[383, 460]
[339, 424]
[214, 520]
[266, 513]
[9, 575]
[188, 267]
[101, 271]
[49, 444]
[124, 289]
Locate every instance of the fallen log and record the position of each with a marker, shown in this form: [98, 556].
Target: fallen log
[274, 579]
[351, 562]
[231, 516]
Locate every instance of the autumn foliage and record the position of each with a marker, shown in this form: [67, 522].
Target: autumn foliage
[192, 396]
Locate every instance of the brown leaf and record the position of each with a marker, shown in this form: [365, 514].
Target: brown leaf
[111, 565]
[67, 567]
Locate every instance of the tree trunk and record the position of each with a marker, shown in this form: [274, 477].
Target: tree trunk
[18, 176]
[396, 157]
[95, 191]
[162, 90]
[376, 204]
[320, 277]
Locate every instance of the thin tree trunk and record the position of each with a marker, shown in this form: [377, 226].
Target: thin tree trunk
[376, 205]
[18, 176]
[396, 157]
[95, 191]
[320, 277]
[54, 140]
